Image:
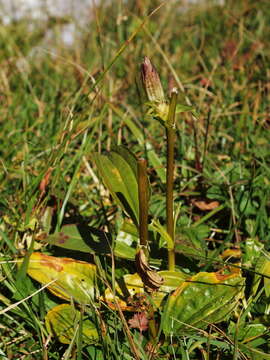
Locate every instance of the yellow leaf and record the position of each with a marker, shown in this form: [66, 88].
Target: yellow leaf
[62, 321]
[72, 278]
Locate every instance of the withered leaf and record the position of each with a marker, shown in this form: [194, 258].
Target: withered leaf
[206, 206]
[150, 278]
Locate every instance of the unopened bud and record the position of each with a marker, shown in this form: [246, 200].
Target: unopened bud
[151, 82]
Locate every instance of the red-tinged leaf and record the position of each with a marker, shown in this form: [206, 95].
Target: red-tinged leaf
[70, 278]
[139, 321]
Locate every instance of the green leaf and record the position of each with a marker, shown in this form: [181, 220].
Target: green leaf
[68, 278]
[172, 279]
[128, 156]
[263, 268]
[252, 252]
[165, 237]
[121, 181]
[63, 322]
[80, 237]
[131, 285]
[125, 244]
[254, 353]
[250, 333]
[180, 108]
[190, 240]
[131, 159]
[204, 298]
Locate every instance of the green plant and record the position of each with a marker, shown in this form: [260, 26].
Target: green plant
[112, 293]
[185, 302]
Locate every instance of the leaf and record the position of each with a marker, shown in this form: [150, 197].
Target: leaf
[139, 321]
[72, 278]
[123, 243]
[204, 298]
[150, 278]
[80, 237]
[180, 108]
[190, 240]
[254, 353]
[206, 206]
[249, 333]
[124, 250]
[62, 321]
[121, 181]
[131, 287]
[128, 156]
[263, 268]
[253, 249]
[167, 240]
[171, 281]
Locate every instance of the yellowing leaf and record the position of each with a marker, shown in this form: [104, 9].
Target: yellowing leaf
[63, 321]
[131, 295]
[132, 285]
[202, 299]
[72, 278]
[171, 281]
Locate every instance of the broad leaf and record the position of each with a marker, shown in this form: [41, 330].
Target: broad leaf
[71, 278]
[131, 288]
[83, 238]
[204, 298]
[125, 244]
[128, 156]
[172, 279]
[119, 177]
[63, 322]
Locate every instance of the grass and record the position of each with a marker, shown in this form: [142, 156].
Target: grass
[58, 110]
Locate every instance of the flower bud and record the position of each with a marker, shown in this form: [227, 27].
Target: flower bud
[151, 82]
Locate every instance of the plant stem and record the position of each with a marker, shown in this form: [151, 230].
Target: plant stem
[143, 203]
[143, 228]
[170, 134]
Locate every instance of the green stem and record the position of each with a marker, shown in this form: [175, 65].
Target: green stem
[170, 133]
[143, 202]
